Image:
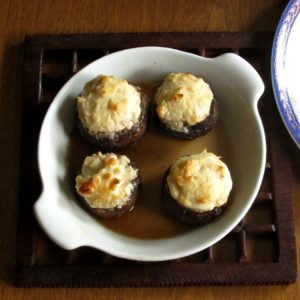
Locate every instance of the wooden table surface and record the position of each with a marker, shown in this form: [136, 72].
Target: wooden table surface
[18, 18]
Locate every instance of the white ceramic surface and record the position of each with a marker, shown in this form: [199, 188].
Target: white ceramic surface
[237, 86]
[285, 64]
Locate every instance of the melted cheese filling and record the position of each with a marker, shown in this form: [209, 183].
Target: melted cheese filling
[108, 105]
[200, 182]
[182, 100]
[106, 180]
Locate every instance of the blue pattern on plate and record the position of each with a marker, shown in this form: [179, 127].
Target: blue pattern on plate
[282, 95]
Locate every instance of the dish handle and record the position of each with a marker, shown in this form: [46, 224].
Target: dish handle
[239, 71]
[61, 235]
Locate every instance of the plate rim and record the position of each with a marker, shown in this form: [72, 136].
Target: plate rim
[282, 98]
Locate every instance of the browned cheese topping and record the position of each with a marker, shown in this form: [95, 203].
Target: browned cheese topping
[200, 182]
[108, 105]
[106, 180]
[182, 100]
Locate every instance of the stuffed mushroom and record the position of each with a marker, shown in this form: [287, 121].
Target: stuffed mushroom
[185, 106]
[196, 188]
[108, 185]
[111, 112]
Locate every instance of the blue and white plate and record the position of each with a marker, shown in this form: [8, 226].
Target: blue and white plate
[286, 68]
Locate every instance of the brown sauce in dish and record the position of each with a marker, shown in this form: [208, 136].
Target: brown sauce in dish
[153, 154]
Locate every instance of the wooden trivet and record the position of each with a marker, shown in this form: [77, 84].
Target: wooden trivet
[260, 250]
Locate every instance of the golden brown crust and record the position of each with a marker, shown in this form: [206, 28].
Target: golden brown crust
[88, 186]
[116, 212]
